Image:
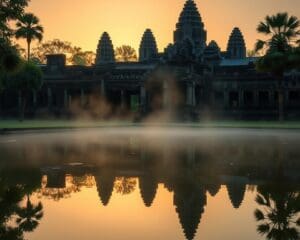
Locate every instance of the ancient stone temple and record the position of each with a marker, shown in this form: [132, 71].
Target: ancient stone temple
[148, 49]
[189, 79]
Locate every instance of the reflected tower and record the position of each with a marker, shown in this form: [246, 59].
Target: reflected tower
[236, 191]
[189, 200]
[105, 185]
[148, 187]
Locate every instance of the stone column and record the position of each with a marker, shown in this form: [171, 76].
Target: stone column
[226, 99]
[166, 95]
[123, 100]
[272, 98]
[194, 103]
[143, 98]
[103, 90]
[49, 93]
[241, 99]
[66, 98]
[256, 102]
[286, 97]
[70, 100]
[189, 94]
[34, 98]
[82, 97]
[19, 99]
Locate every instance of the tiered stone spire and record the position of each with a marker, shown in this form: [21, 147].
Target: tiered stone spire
[191, 27]
[236, 192]
[212, 52]
[190, 202]
[148, 187]
[105, 50]
[236, 48]
[148, 48]
[105, 185]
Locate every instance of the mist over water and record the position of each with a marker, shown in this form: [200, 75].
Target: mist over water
[154, 182]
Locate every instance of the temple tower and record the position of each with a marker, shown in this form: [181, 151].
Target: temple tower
[105, 50]
[236, 47]
[191, 28]
[212, 52]
[148, 48]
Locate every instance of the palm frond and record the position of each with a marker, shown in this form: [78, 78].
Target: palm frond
[259, 45]
[263, 229]
[259, 216]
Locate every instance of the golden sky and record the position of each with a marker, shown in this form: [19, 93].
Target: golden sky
[82, 22]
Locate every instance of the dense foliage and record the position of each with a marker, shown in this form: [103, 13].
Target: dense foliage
[26, 80]
[281, 52]
[125, 53]
[10, 10]
[75, 55]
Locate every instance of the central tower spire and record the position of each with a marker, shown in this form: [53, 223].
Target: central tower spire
[190, 27]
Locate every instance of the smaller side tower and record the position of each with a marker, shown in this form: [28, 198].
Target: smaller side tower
[236, 47]
[212, 52]
[148, 47]
[105, 50]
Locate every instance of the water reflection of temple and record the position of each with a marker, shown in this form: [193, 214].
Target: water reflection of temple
[189, 169]
[189, 190]
[189, 201]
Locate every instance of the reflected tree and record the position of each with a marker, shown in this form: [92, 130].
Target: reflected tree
[29, 216]
[9, 199]
[278, 213]
[13, 188]
[125, 185]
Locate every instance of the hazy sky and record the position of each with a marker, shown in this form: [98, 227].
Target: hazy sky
[82, 22]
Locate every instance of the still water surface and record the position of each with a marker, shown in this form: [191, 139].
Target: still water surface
[150, 184]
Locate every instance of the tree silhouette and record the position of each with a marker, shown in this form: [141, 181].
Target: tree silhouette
[28, 27]
[75, 55]
[125, 185]
[10, 10]
[82, 58]
[29, 216]
[282, 31]
[9, 59]
[10, 196]
[27, 79]
[14, 185]
[125, 53]
[54, 46]
[278, 215]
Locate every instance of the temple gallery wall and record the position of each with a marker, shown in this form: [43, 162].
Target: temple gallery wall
[190, 78]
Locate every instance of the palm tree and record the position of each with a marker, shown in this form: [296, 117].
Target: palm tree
[278, 213]
[28, 27]
[283, 32]
[29, 216]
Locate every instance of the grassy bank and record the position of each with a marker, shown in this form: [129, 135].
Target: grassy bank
[14, 125]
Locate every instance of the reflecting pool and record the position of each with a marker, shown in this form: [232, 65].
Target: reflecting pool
[150, 183]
